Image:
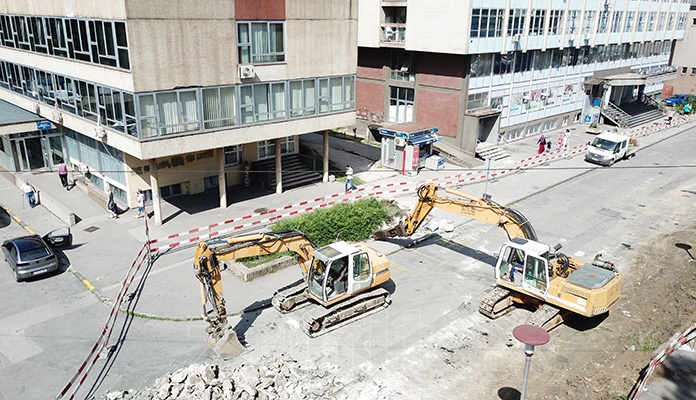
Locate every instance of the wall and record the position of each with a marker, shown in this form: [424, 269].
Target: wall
[684, 56]
[427, 31]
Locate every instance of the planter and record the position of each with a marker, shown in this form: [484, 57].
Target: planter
[593, 130]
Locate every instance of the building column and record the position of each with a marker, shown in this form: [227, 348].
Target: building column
[278, 168]
[325, 156]
[222, 178]
[154, 187]
[607, 97]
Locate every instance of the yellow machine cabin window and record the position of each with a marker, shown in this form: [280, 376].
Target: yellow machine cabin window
[361, 267]
[535, 273]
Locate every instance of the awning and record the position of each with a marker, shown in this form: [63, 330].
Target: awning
[424, 139]
[593, 81]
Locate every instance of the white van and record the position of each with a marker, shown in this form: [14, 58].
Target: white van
[608, 148]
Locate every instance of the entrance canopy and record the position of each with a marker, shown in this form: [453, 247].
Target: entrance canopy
[14, 119]
[412, 133]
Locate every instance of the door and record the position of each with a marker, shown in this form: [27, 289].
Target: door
[536, 279]
[30, 154]
[362, 272]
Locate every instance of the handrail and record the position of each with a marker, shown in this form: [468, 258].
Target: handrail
[620, 116]
[649, 100]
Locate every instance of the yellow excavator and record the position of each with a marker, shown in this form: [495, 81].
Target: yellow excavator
[527, 272]
[341, 283]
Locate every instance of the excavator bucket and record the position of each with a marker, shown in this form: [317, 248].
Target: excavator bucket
[226, 344]
[396, 231]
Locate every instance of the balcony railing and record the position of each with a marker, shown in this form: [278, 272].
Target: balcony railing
[393, 34]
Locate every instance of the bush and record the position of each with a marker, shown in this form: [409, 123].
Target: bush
[345, 221]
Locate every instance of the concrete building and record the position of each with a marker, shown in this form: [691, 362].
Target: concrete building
[173, 98]
[489, 71]
[685, 59]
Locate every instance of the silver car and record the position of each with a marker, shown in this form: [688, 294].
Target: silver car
[33, 255]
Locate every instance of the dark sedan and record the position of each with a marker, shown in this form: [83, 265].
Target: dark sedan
[33, 255]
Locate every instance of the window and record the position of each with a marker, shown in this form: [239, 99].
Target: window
[651, 21]
[477, 100]
[683, 70]
[361, 267]
[516, 21]
[523, 61]
[486, 23]
[171, 191]
[588, 21]
[401, 66]
[481, 65]
[233, 155]
[693, 22]
[502, 63]
[303, 98]
[262, 102]
[670, 21]
[616, 22]
[219, 107]
[537, 21]
[267, 147]
[260, 42]
[573, 21]
[401, 102]
[603, 17]
[661, 21]
[556, 22]
[641, 21]
[630, 15]
[693, 70]
[681, 23]
[336, 94]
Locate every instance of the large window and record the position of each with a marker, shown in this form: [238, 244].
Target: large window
[233, 155]
[537, 21]
[260, 42]
[573, 22]
[603, 21]
[477, 100]
[588, 21]
[486, 22]
[91, 40]
[481, 65]
[401, 104]
[661, 21]
[303, 97]
[651, 21]
[336, 94]
[267, 147]
[630, 16]
[262, 102]
[502, 63]
[640, 26]
[516, 21]
[219, 107]
[616, 21]
[556, 22]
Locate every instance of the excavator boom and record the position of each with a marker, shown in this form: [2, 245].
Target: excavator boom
[482, 209]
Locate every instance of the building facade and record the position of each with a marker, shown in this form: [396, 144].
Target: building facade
[685, 59]
[173, 99]
[501, 70]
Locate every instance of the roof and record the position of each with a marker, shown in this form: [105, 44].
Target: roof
[614, 137]
[11, 114]
[408, 127]
[593, 81]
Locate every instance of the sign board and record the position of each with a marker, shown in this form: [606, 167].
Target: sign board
[43, 125]
[588, 118]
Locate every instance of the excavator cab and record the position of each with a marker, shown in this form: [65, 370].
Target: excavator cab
[337, 270]
[524, 263]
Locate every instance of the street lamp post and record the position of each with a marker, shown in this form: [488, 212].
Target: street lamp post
[531, 336]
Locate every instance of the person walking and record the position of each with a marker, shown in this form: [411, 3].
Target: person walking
[542, 144]
[28, 190]
[63, 174]
[559, 146]
[140, 200]
[111, 204]
[349, 179]
[687, 109]
[670, 115]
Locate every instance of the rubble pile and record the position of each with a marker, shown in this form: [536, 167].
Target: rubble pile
[278, 377]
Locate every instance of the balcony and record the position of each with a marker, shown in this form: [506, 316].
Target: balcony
[393, 35]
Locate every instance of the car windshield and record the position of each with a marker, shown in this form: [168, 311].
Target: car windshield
[604, 144]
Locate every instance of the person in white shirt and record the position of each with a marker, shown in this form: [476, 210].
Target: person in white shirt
[28, 190]
[349, 179]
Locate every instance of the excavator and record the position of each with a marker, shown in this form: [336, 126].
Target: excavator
[527, 272]
[341, 283]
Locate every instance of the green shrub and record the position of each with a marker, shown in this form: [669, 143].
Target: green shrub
[345, 221]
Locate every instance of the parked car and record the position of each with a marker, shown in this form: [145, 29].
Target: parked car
[675, 100]
[33, 255]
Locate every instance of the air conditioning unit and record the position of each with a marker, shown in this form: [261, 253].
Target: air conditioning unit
[517, 37]
[399, 141]
[246, 72]
[100, 133]
[57, 116]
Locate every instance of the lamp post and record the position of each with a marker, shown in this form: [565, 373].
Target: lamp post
[531, 336]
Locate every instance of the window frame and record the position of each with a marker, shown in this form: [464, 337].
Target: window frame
[247, 51]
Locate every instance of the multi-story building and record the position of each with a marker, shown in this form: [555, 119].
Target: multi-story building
[500, 70]
[173, 98]
[685, 59]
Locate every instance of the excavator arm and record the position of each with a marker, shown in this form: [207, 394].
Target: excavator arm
[512, 221]
[209, 255]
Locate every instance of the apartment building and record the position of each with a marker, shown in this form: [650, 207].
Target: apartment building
[173, 98]
[685, 59]
[489, 71]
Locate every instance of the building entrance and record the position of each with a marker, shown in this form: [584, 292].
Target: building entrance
[33, 152]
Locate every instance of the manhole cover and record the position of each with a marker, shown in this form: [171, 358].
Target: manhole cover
[91, 229]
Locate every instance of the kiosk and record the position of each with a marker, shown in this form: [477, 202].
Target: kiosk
[407, 147]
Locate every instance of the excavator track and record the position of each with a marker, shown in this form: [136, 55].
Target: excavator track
[320, 320]
[496, 303]
[546, 317]
[291, 297]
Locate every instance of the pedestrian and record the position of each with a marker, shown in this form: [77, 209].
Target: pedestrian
[542, 144]
[63, 174]
[28, 190]
[349, 179]
[111, 204]
[560, 142]
[687, 109]
[140, 200]
[670, 115]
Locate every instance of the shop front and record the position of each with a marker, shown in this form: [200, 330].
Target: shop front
[408, 147]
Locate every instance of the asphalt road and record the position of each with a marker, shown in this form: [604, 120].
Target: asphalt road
[47, 326]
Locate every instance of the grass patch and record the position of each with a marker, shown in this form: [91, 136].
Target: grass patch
[647, 344]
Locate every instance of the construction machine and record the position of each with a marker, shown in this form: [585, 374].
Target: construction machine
[341, 282]
[527, 272]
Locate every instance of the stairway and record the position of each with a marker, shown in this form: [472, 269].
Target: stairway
[297, 171]
[454, 154]
[641, 113]
[491, 151]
